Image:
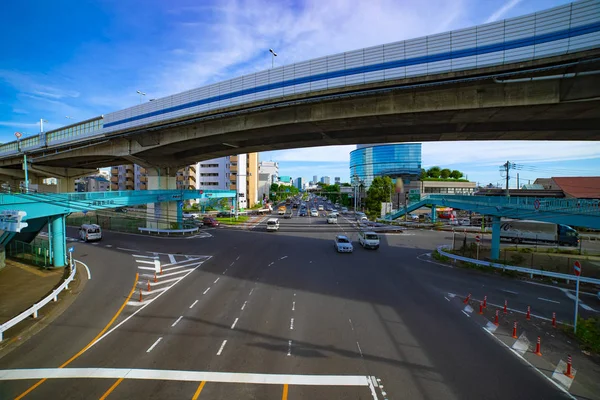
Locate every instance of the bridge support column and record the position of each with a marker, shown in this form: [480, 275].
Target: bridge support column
[162, 215]
[433, 214]
[495, 254]
[58, 240]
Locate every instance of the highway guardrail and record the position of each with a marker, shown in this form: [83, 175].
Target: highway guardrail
[168, 232]
[524, 270]
[33, 310]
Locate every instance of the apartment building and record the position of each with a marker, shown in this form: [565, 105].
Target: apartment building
[128, 177]
[243, 170]
[186, 178]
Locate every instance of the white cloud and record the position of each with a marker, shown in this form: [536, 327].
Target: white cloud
[28, 83]
[239, 35]
[499, 13]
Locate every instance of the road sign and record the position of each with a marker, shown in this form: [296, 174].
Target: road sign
[201, 191]
[577, 268]
[71, 249]
[477, 239]
[536, 204]
[18, 135]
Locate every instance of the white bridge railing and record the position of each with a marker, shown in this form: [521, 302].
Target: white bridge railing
[168, 231]
[524, 270]
[33, 310]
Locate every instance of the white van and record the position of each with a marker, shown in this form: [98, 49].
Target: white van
[368, 240]
[272, 224]
[89, 232]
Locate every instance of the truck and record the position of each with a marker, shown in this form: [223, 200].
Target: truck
[281, 210]
[267, 209]
[521, 231]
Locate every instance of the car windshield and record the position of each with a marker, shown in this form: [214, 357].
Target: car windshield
[343, 240]
[371, 237]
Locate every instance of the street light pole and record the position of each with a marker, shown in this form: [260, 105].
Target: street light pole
[141, 94]
[273, 55]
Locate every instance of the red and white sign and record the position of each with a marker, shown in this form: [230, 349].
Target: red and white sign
[577, 268]
[18, 135]
[477, 239]
[201, 191]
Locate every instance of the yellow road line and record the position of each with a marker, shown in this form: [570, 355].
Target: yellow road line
[70, 360]
[285, 392]
[199, 390]
[110, 389]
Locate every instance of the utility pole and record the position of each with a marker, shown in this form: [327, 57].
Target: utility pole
[507, 169]
[518, 187]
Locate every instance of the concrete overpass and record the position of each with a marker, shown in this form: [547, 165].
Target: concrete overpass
[534, 77]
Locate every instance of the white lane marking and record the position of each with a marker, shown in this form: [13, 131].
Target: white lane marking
[551, 301]
[172, 258]
[225, 271]
[283, 257]
[231, 265]
[446, 298]
[463, 311]
[183, 271]
[293, 306]
[86, 268]
[234, 322]
[359, 349]
[238, 257]
[154, 345]
[351, 325]
[370, 385]
[95, 243]
[523, 312]
[194, 303]
[178, 319]
[292, 324]
[144, 262]
[147, 268]
[289, 348]
[294, 294]
[206, 291]
[216, 280]
[141, 256]
[509, 291]
[251, 290]
[108, 245]
[528, 363]
[185, 376]
[221, 348]
[188, 260]
[270, 264]
[177, 267]
[568, 293]
[374, 380]
[244, 305]
[558, 288]
[432, 262]
[124, 249]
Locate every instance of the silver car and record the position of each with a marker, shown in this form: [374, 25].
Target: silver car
[342, 244]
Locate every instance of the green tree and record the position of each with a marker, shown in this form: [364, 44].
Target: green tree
[445, 173]
[224, 203]
[434, 172]
[378, 192]
[456, 174]
[423, 174]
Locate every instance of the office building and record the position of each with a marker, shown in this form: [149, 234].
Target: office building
[285, 180]
[299, 183]
[128, 177]
[326, 180]
[315, 179]
[271, 168]
[337, 180]
[268, 173]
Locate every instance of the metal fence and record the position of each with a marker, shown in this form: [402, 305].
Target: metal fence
[37, 252]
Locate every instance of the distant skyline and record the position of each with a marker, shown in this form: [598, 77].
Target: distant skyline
[109, 50]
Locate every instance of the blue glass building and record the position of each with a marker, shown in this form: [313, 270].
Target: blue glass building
[401, 160]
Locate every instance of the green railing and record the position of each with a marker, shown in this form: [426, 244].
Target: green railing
[37, 252]
[118, 223]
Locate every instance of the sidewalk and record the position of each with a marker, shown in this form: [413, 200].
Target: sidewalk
[21, 286]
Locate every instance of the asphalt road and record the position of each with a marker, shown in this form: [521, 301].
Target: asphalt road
[282, 315]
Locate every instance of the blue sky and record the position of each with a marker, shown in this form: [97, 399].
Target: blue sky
[83, 58]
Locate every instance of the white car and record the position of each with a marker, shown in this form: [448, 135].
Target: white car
[272, 224]
[342, 244]
[368, 240]
[332, 219]
[314, 213]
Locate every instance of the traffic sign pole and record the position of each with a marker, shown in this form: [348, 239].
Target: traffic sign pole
[577, 268]
[477, 239]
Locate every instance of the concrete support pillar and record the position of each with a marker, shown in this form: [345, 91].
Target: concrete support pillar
[495, 255]
[433, 214]
[161, 215]
[58, 240]
[66, 185]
